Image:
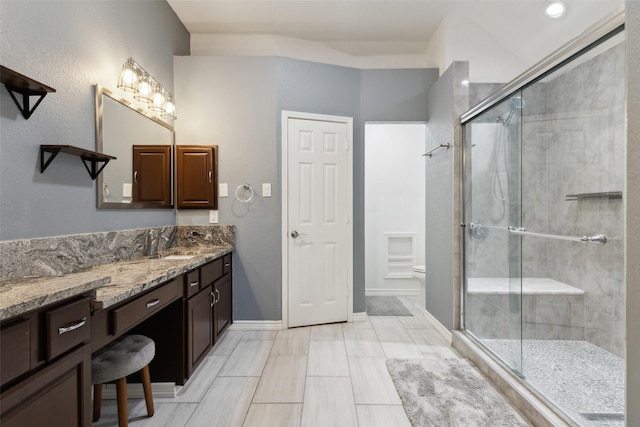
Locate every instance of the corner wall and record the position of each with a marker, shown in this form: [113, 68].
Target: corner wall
[71, 46]
[448, 99]
[237, 102]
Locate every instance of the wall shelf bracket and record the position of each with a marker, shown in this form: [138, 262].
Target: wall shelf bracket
[16, 83]
[90, 159]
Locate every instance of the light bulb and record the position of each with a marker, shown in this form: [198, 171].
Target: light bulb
[555, 8]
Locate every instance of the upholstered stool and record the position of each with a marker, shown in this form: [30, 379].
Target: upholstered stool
[113, 363]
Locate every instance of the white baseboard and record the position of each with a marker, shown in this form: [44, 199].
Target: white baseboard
[438, 326]
[360, 317]
[256, 325]
[391, 292]
[135, 391]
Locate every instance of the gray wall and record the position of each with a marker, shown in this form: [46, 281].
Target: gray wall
[632, 226]
[71, 46]
[236, 102]
[447, 100]
[232, 103]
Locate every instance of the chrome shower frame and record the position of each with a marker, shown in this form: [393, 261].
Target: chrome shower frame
[529, 400]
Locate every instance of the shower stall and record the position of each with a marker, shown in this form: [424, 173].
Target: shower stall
[542, 180]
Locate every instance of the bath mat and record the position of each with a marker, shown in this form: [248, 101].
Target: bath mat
[450, 392]
[385, 306]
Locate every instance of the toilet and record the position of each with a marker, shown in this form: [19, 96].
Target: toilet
[418, 273]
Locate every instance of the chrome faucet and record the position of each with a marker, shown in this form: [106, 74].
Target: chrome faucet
[151, 243]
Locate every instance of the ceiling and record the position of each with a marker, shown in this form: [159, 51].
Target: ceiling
[365, 28]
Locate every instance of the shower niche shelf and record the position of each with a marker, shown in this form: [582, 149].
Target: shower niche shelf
[25, 86]
[87, 156]
[610, 195]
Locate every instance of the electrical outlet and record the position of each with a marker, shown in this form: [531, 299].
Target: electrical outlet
[266, 189]
[223, 189]
[213, 217]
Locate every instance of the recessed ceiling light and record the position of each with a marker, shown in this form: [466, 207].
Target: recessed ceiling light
[465, 83]
[555, 9]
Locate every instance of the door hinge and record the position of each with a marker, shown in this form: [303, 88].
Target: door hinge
[347, 144]
[346, 217]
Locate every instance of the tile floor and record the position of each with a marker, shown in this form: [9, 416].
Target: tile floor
[333, 375]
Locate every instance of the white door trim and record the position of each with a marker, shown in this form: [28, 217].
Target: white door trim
[348, 121]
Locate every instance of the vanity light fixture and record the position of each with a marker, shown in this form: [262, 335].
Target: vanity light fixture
[128, 76]
[145, 88]
[555, 9]
[169, 108]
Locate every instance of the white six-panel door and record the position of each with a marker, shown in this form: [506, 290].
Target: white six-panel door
[318, 230]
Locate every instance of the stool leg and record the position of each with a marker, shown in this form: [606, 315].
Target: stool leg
[146, 385]
[121, 391]
[97, 401]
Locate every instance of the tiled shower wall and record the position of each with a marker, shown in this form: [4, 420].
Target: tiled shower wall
[573, 141]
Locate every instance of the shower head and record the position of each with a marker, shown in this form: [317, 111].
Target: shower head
[517, 103]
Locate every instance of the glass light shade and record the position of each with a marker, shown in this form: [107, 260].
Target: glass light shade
[129, 76]
[169, 108]
[145, 88]
[157, 99]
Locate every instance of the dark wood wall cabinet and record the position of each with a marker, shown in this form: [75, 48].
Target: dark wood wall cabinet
[152, 174]
[197, 176]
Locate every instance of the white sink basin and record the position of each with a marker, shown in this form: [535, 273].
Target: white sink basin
[178, 257]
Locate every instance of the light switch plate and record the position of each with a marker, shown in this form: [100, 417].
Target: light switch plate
[213, 217]
[127, 189]
[266, 189]
[223, 189]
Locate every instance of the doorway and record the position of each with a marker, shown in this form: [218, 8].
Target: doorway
[394, 211]
[317, 206]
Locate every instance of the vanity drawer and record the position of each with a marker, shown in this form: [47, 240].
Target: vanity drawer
[211, 272]
[139, 309]
[192, 283]
[15, 354]
[227, 263]
[67, 327]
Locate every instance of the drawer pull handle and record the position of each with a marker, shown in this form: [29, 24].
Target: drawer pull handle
[213, 299]
[73, 327]
[228, 264]
[153, 302]
[196, 283]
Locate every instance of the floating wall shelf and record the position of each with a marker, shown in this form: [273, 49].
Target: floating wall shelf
[17, 83]
[86, 156]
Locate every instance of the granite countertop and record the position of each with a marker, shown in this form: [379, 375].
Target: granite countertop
[111, 283]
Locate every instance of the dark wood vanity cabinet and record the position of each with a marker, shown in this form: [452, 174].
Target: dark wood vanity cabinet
[199, 327]
[196, 176]
[223, 302]
[152, 174]
[46, 366]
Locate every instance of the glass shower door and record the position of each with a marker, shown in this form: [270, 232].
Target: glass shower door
[493, 266]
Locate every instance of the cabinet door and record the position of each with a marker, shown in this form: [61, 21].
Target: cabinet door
[199, 327]
[196, 176]
[59, 395]
[152, 174]
[223, 308]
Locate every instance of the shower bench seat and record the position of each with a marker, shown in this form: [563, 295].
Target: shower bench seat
[550, 309]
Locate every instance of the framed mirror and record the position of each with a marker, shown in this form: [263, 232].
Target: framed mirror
[134, 136]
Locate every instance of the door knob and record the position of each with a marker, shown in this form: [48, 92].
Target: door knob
[295, 234]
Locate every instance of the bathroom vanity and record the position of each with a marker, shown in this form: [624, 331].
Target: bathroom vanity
[50, 327]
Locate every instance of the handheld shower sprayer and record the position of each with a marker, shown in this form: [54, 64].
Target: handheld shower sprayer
[517, 103]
